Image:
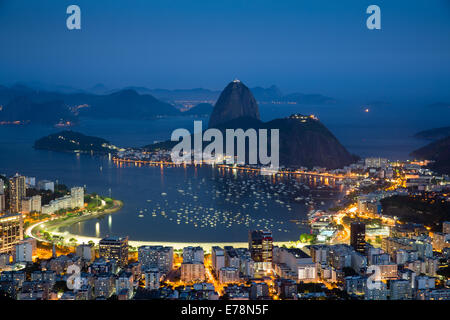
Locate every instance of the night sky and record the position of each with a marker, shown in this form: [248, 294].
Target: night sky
[315, 46]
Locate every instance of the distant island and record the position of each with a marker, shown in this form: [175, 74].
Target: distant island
[433, 134]
[71, 141]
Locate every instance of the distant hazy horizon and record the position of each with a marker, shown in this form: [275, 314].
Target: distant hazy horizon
[368, 101]
[321, 47]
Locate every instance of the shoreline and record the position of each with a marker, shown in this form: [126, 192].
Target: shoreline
[54, 226]
[177, 245]
[137, 243]
[60, 221]
[134, 243]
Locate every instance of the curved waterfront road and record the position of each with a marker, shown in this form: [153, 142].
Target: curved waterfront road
[176, 245]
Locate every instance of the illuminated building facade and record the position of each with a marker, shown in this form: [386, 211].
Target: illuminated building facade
[156, 256]
[152, 278]
[192, 272]
[260, 244]
[114, 248]
[2, 203]
[358, 236]
[228, 274]
[77, 197]
[17, 193]
[11, 232]
[217, 258]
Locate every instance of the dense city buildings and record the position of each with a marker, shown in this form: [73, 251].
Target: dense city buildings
[18, 201]
[441, 241]
[407, 272]
[376, 162]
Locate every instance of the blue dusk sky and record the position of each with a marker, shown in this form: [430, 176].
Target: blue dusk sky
[314, 46]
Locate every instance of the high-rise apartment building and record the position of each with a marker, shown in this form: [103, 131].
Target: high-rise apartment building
[193, 254]
[152, 278]
[446, 227]
[24, 252]
[114, 248]
[17, 192]
[156, 256]
[358, 236]
[2, 196]
[77, 197]
[218, 259]
[228, 274]
[260, 244]
[11, 232]
[86, 252]
[2, 203]
[36, 203]
[192, 272]
[400, 289]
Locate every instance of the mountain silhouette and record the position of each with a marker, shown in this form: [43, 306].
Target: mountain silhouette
[235, 101]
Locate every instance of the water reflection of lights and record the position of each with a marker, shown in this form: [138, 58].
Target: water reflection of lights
[97, 229]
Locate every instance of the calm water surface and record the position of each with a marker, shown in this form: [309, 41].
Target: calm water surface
[203, 204]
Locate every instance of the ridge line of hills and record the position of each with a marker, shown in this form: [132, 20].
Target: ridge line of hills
[438, 150]
[303, 140]
[25, 104]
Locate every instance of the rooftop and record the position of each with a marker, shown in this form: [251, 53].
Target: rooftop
[298, 254]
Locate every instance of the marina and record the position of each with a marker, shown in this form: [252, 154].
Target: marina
[215, 203]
